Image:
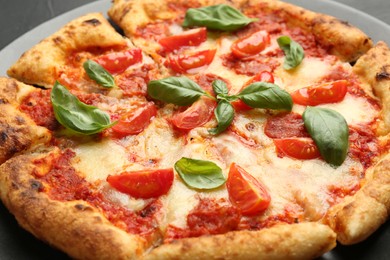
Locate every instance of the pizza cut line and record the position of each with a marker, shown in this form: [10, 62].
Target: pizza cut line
[212, 129]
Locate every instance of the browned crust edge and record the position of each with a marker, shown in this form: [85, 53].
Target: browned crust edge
[74, 227]
[42, 64]
[17, 131]
[373, 69]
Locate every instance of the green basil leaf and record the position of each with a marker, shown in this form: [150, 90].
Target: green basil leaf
[97, 73]
[329, 131]
[219, 87]
[224, 113]
[217, 17]
[75, 115]
[176, 90]
[292, 50]
[266, 95]
[200, 174]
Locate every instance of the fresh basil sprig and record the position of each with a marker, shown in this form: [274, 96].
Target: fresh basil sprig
[75, 115]
[200, 174]
[180, 91]
[217, 17]
[266, 95]
[329, 131]
[293, 52]
[97, 73]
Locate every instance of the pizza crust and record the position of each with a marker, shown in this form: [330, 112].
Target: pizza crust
[41, 65]
[295, 241]
[73, 227]
[17, 131]
[373, 69]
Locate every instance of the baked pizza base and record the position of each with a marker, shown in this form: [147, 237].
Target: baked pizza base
[82, 230]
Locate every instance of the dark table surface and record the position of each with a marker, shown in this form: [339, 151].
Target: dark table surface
[20, 16]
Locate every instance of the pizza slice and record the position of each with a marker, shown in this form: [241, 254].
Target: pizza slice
[221, 146]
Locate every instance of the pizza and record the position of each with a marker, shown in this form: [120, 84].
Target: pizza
[203, 129]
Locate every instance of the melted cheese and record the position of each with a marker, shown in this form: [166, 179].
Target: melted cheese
[98, 160]
[354, 109]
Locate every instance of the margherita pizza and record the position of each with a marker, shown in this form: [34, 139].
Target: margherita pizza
[211, 130]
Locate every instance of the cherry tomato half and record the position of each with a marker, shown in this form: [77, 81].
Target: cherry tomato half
[118, 62]
[331, 92]
[143, 184]
[250, 45]
[133, 123]
[246, 192]
[187, 63]
[263, 76]
[198, 114]
[192, 37]
[298, 148]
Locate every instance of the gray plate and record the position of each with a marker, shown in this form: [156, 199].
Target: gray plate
[15, 243]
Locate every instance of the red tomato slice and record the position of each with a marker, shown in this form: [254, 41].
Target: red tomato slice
[143, 184]
[298, 148]
[331, 92]
[192, 37]
[118, 62]
[198, 114]
[187, 63]
[263, 76]
[250, 45]
[133, 123]
[246, 192]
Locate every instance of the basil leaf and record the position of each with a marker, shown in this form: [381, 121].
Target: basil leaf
[292, 50]
[217, 17]
[176, 90]
[329, 131]
[97, 73]
[75, 115]
[266, 95]
[199, 174]
[224, 113]
[219, 87]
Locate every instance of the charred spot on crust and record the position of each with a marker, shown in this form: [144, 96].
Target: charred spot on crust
[3, 101]
[82, 207]
[384, 74]
[94, 22]
[345, 23]
[57, 40]
[149, 210]
[3, 137]
[36, 185]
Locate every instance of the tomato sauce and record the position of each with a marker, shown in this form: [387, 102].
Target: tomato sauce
[289, 216]
[153, 31]
[64, 184]
[38, 106]
[135, 82]
[338, 193]
[363, 145]
[209, 217]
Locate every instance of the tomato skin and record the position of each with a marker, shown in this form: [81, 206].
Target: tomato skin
[118, 62]
[143, 184]
[250, 45]
[246, 192]
[298, 148]
[190, 63]
[133, 123]
[331, 92]
[198, 114]
[263, 76]
[192, 37]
